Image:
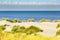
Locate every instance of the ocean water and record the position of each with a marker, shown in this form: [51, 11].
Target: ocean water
[36, 15]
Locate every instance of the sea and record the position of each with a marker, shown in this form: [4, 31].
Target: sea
[25, 15]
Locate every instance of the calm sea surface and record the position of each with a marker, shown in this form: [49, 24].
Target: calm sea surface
[24, 15]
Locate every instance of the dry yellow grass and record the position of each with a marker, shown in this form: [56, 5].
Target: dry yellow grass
[19, 36]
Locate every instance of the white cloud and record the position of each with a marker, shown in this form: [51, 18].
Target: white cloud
[31, 3]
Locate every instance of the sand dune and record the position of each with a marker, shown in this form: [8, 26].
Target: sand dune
[49, 28]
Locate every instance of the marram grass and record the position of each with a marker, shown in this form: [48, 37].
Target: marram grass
[20, 36]
[22, 33]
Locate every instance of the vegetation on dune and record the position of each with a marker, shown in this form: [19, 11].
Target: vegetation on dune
[18, 36]
[1, 34]
[2, 27]
[45, 20]
[22, 33]
[56, 20]
[24, 21]
[13, 21]
[29, 30]
[58, 26]
[9, 20]
[5, 19]
[32, 30]
[15, 28]
[58, 32]
[21, 29]
[16, 20]
[30, 20]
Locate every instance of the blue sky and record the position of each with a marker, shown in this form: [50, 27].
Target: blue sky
[29, 7]
[18, 7]
[30, 0]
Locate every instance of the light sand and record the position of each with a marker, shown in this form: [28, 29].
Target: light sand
[49, 28]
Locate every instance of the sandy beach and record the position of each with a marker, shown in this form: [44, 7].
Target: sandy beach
[49, 28]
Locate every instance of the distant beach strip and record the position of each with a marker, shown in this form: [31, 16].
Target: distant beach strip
[29, 6]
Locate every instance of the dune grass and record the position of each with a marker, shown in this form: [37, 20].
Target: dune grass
[20, 36]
